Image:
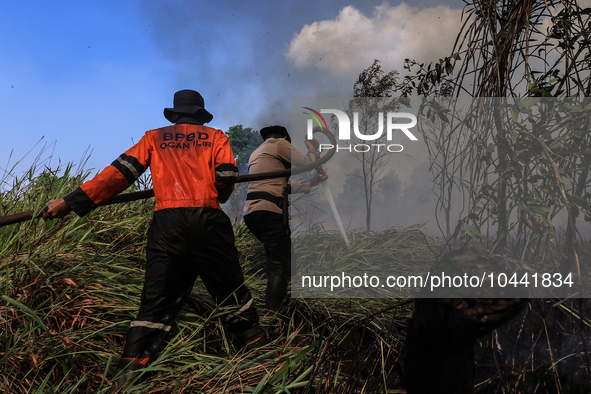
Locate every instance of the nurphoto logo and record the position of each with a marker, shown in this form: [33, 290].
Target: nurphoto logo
[344, 132]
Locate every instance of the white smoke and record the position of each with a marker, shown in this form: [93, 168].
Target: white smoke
[349, 43]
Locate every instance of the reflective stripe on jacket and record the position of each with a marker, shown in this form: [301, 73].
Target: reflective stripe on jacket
[191, 166]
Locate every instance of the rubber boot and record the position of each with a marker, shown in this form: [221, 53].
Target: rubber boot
[128, 372]
[276, 291]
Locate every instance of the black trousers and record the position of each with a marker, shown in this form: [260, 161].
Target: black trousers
[183, 244]
[270, 229]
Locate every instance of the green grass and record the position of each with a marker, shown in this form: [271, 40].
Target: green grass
[70, 287]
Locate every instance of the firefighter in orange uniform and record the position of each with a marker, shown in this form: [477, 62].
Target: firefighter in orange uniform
[193, 171]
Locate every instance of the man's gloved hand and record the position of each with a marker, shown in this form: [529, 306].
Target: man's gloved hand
[320, 177]
[56, 209]
[224, 193]
[312, 144]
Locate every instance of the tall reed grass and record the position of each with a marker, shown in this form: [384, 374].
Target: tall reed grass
[70, 287]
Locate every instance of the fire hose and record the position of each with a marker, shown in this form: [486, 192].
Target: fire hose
[134, 196]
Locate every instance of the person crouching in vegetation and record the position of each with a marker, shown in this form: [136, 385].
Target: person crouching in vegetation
[193, 171]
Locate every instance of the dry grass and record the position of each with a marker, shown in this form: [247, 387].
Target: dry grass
[70, 288]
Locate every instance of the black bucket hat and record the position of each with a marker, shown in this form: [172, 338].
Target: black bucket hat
[188, 102]
[278, 130]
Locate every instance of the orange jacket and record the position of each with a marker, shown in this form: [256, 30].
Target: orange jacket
[191, 165]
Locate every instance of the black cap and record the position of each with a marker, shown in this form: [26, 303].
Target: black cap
[277, 130]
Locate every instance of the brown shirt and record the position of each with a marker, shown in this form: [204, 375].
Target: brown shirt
[275, 154]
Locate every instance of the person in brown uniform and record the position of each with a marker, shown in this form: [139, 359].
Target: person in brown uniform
[263, 209]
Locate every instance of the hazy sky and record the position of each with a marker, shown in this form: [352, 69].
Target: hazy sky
[98, 74]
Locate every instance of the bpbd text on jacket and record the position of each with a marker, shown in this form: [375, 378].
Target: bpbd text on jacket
[182, 141]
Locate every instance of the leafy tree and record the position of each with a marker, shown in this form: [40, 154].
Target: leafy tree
[373, 83]
[530, 158]
[243, 142]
